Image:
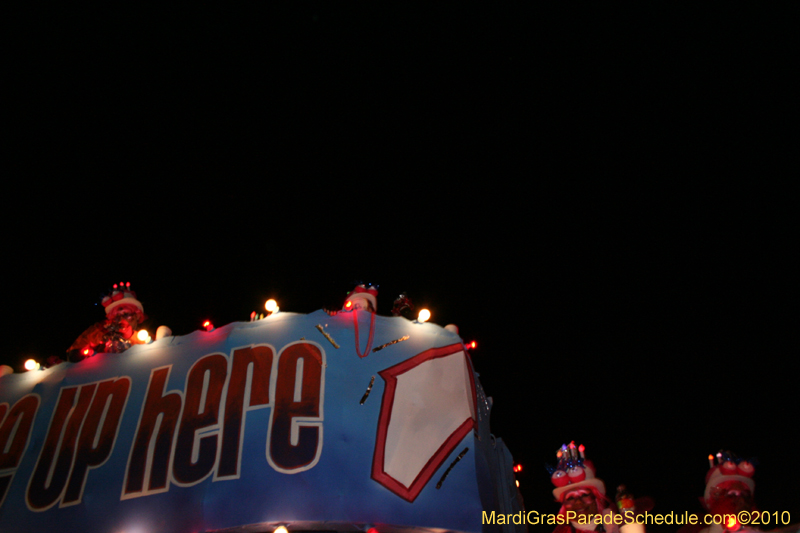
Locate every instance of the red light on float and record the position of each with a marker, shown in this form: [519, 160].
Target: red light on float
[372, 530]
[731, 523]
[87, 352]
[473, 345]
[348, 304]
[517, 468]
[208, 326]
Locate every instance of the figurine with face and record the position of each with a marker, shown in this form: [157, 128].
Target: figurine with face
[121, 325]
[362, 298]
[729, 490]
[359, 299]
[115, 334]
[360, 302]
[581, 493]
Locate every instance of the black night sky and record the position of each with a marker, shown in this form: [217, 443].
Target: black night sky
[604, 199]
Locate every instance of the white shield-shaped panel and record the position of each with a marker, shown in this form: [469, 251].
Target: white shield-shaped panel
[428, 408]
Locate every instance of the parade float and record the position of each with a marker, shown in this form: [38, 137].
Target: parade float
[304, 421]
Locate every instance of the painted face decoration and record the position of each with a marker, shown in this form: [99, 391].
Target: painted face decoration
[730, 497]
[581, 502]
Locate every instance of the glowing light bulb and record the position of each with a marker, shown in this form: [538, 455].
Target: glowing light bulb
[87, 352]
[208, 326]
[281, 529]
[348, 304]
[424, 315]
[517, 482]
[271, 305]
[30, 364]
[372, 530]
[143, 335]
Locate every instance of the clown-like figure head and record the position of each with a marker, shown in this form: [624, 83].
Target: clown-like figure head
[729, 485]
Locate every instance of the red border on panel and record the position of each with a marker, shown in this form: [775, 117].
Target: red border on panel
[389, 375]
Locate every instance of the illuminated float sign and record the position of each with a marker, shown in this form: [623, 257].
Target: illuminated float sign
[247, 424]
[209, 439]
